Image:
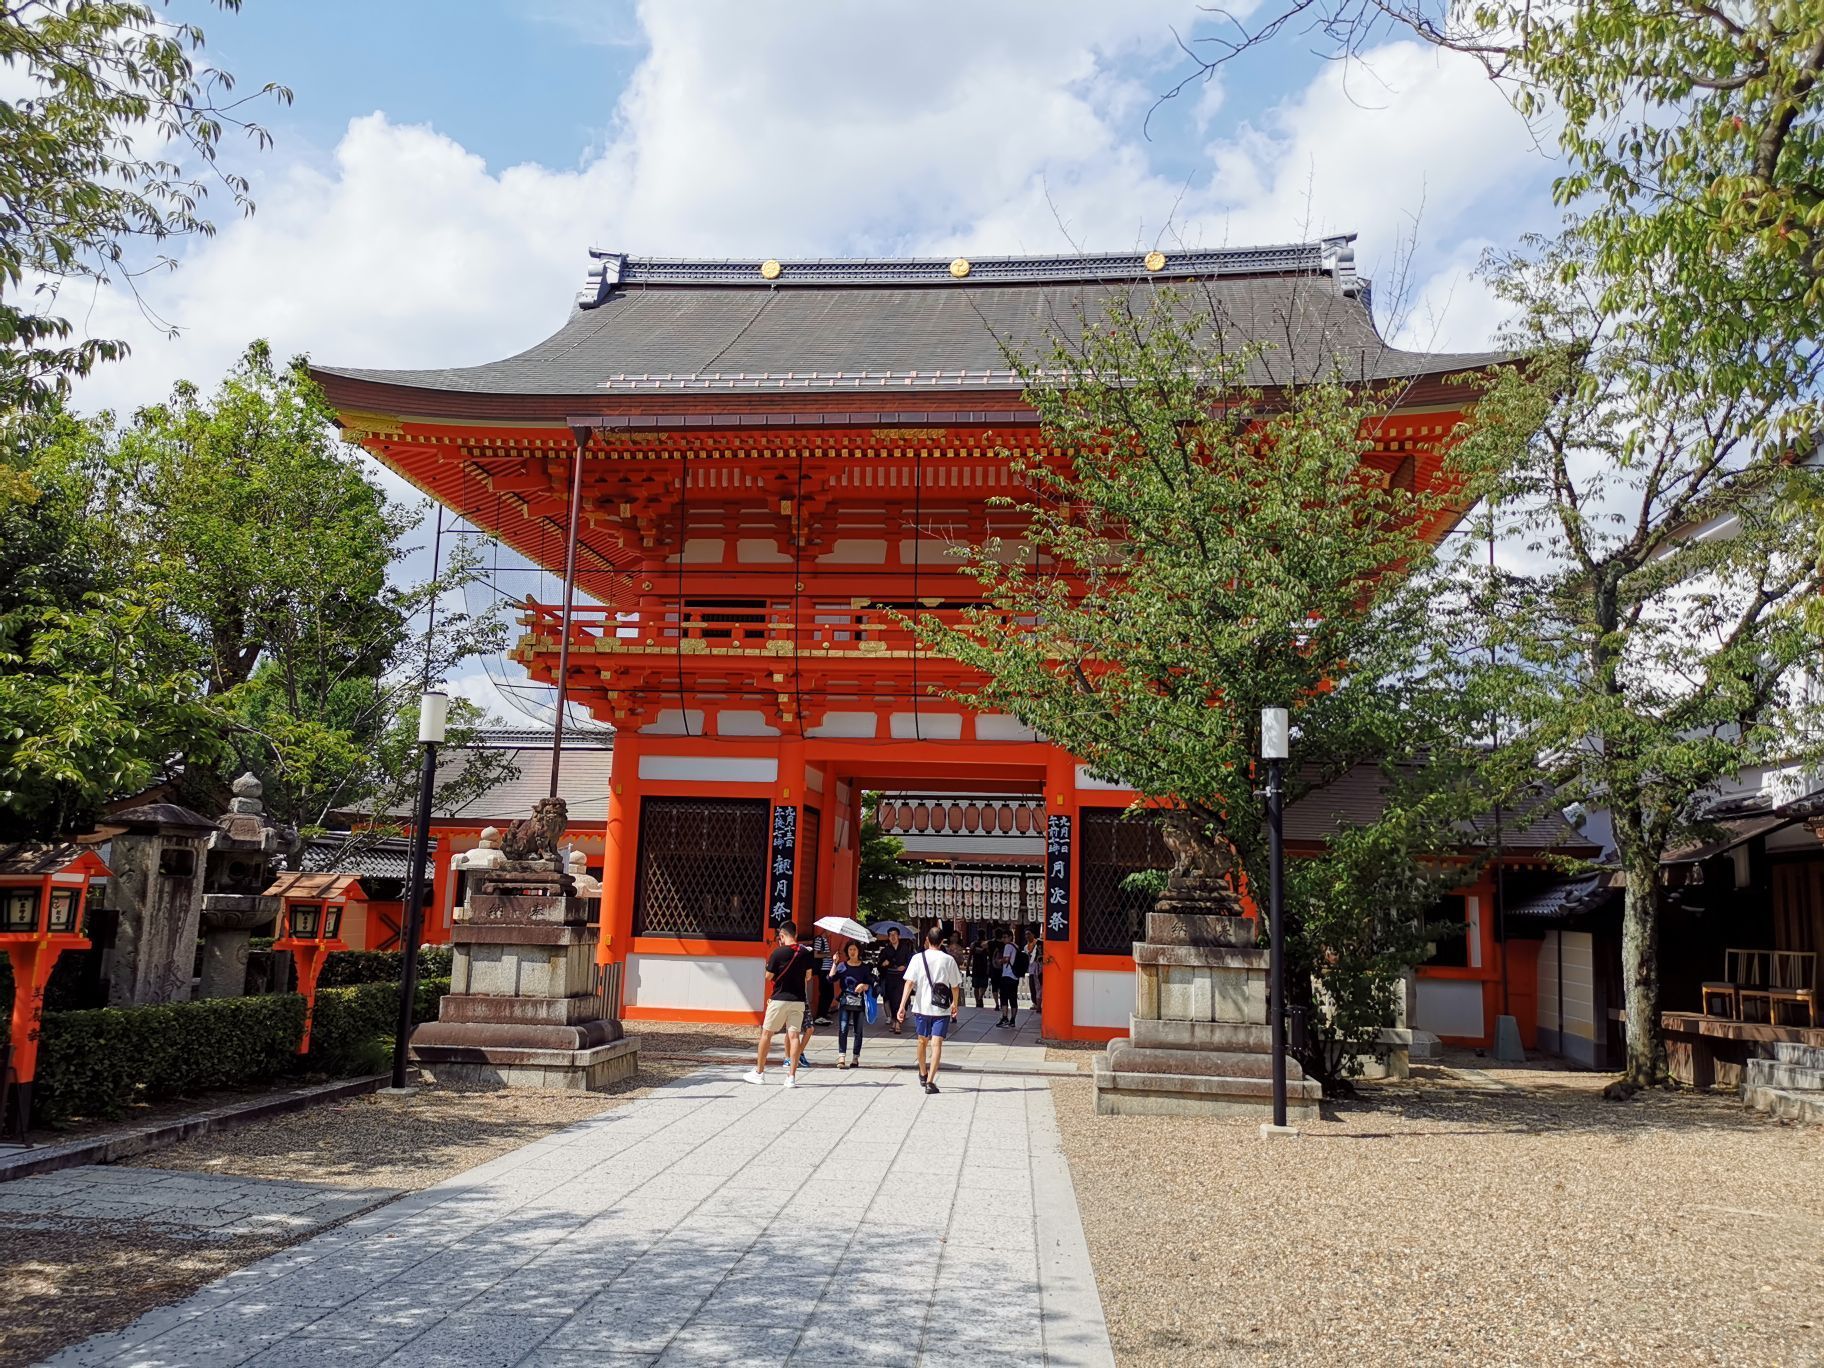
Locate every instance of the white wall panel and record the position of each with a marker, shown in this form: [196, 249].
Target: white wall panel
[1103, 997]
[1450, 1007]
[728, 769]
[705, 983]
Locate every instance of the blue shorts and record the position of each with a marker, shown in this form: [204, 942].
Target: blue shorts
[936, 1027]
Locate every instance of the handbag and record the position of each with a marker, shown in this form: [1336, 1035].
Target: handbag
[873, 1006]
[940, 992]
[851, 1002]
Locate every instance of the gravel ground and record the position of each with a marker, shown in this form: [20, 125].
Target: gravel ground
[1487, 1216]
[104, 1277]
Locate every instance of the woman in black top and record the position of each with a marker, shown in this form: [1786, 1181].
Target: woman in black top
[851, 980]
[978, 968]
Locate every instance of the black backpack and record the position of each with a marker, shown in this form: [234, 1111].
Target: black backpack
[1021, 963]
[940, 992]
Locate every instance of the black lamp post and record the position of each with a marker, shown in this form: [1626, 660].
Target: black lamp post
[433, 716]
[1274, 748]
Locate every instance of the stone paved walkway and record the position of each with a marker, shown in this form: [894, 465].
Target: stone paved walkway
[854, 1220]
[188, 1205]
[976, 1044]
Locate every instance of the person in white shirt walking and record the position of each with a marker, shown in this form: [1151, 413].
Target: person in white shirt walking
[934, 987]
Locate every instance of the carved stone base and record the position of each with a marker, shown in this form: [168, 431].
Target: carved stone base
[523, 1010]
[592, 1070]
[1198, 1042]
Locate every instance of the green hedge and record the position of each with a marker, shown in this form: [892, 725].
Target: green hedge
[344, 968]
[95, 1063]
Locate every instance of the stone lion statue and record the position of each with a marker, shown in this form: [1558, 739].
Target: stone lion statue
[536, 837]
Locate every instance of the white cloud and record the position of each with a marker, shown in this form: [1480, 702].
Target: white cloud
[764, 129]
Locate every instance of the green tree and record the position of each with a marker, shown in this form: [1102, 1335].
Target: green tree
[1654, 640]
[93, 700]
[282, 556]
[1197, 549]
[1692, 135]
[883, 886]
[112, 154]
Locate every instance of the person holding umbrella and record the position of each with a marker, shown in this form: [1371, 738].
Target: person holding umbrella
[850, 981]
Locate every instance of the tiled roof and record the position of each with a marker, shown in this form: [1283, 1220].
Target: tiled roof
[383, 859]
[1358, 797]
[1562, 897]
[656, 324]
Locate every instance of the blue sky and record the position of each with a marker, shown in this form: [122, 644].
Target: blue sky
[431, 195]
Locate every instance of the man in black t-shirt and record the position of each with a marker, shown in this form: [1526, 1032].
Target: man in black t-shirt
[788, 971]
[893, 962]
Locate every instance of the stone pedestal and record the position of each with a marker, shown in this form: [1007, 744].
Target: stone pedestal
[1198, 1041]
[524, 1008]
[229, 921]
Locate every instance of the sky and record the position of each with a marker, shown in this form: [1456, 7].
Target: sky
[430, 196]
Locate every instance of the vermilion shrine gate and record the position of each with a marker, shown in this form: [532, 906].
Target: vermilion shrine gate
[774, 459]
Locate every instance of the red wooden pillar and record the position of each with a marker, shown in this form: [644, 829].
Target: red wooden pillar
[620, 851]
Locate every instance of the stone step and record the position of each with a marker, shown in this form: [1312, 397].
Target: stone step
[1199, 1035]
[1125, 1056]
[1805, 1056]
[1807, 1108]
[1772, 1073]
[1124, 1093]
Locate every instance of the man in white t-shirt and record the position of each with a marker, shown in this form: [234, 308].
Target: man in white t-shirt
[934, 987]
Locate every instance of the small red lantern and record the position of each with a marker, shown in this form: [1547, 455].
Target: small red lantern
[44, 890]
[310, 926]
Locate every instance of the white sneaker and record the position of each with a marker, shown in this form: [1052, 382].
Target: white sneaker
[788, 1082]
[753, 1076]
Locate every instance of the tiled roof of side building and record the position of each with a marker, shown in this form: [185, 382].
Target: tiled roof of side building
[582, 784]
[648, 324]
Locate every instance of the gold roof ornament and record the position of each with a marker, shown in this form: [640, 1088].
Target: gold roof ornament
[1155, 260]
[769, 269]
[960, 267]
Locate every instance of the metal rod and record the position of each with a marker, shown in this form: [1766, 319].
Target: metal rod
[414, 912]
[1276, 902]
[563, 640]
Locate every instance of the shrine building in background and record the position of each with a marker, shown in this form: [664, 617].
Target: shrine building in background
[777, 460]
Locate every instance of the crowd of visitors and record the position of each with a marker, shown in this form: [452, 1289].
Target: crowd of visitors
[807, 981]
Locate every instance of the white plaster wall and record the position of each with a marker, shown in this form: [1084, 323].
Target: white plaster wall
[728, 769]
[1450, 1007]
[1086, 780]
[926, 726]
[851, 725]
[744, 722]
[855, 551]
[813, 777]
[1001, 727]
[1102, 997]
[705, 983]
[760, 551]
[1578, 948]
[1472, 914]
[676, 722]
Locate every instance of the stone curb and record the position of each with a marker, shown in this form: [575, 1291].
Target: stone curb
[112, 1148]
[1045, 1069]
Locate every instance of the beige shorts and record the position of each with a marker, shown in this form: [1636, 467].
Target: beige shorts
[783, 1016]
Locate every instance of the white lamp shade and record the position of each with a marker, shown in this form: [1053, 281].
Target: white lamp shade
[433, 714]
[1275, 734]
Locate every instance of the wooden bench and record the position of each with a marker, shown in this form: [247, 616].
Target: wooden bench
[1795, 984]
[1747, 975]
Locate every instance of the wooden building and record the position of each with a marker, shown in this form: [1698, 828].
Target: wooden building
[768, 460]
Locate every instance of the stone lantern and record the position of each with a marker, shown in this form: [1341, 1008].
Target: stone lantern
[157, 856]
[244, 854]
[43, 897]
[310, 926]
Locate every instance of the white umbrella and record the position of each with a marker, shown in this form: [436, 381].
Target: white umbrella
[846, 926]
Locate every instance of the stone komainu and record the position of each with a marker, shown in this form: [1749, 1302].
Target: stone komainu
[536, 837]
